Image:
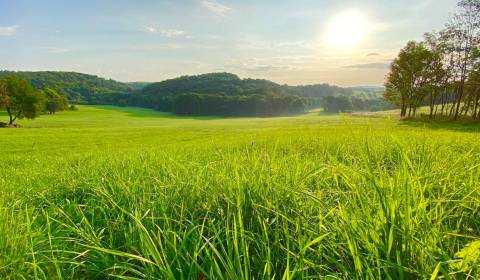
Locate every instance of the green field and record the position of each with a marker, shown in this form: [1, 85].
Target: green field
[108, 192]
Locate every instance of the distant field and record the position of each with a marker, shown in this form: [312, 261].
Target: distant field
[109, 192]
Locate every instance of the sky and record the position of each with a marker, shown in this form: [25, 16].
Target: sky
[340, 42]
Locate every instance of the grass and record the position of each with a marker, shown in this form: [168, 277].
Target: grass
[126, 193]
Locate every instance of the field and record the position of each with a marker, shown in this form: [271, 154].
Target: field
[108, 192]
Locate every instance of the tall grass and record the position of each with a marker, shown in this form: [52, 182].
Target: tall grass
[334, 201]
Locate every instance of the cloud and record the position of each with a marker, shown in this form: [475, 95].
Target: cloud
[376, 65]
[165, 32]
[255, 66]
[172, 33]
[215, 7]
[373, 54]
[151, 29]
[8, 30]
[57, 50]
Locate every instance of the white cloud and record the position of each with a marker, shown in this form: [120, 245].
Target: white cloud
[215, 7]
[261, 65]
[374, 65]
[8, 30]
[151, 29]
[172, 32]
[57, 50]
[165, 32]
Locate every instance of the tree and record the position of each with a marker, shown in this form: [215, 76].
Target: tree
[464, 31]
[55, 102]
[20, 100]
[473, 86]
[336, 104]
[411, 75]
[4, 99]
[438, 70]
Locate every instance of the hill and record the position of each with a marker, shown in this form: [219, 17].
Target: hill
[231, 84]
[222, 94]
[219, 94]
[78, 87]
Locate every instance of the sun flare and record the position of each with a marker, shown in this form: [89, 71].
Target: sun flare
[346, 30]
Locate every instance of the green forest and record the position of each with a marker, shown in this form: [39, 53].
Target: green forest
[223, 94]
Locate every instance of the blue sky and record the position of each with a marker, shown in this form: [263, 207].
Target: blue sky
[151, 40]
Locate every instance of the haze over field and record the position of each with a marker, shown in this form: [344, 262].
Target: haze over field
[296, 42]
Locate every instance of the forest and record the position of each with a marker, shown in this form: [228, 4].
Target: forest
[216, 94]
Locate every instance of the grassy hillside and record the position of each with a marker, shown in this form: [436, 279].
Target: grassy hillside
[108, 192]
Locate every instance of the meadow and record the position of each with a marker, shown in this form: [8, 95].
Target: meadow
[109, 192]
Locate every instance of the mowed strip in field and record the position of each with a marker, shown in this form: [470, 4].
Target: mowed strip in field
[108, 192]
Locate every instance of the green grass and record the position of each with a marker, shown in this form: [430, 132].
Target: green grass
[126, 193]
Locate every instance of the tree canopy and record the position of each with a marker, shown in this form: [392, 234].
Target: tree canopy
[20, 100]
[207, 94]
[442, 71]
[77, 87]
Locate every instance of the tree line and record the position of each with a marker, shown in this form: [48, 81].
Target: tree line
[20, 100]
[222, 94]
[77, 87]
[355, 102]
[441, 72]
[240, 105]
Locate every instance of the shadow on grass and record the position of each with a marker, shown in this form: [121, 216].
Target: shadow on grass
[150, 113]
[139, 112]
[462, 125]
[323, 113]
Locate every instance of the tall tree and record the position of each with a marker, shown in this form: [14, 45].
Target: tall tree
[437, 71]
[411, 75]
[464, 30]
[473, 86]
[20, 100]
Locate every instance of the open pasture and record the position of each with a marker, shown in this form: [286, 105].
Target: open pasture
[110, 192]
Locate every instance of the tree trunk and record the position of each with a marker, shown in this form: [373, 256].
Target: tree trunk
[475, 108]
[432, 103]
[10, 115]
[403, 111]
[444, 93]
[461, 89]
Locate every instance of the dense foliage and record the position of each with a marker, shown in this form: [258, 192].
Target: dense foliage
[355, 102]
[442, 72]
[20, 100]
[219, 94]
[227, 94]
[55, 102]
[240, 105]
[209, 94]
[77, 87]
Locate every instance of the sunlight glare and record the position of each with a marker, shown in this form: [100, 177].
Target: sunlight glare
[346, 30]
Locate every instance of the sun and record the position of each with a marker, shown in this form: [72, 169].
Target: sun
[346, 30]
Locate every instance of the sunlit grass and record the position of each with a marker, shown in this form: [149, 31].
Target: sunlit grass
[127, 193]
